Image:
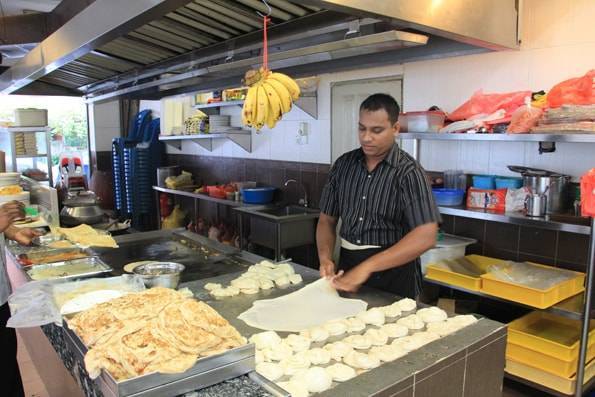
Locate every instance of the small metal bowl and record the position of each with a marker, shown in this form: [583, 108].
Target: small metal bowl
[160, 274]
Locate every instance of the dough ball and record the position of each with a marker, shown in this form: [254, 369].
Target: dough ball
[267, 264]
[406, 304]
[432, 314]
[319, 356]
[265, 283]
[296, 362]
[377, 336]
[374, 316]
[354, 324]
[463, 320]
[340, 372]
[271, 371]
[286, 268]
[298, 343]
[249, 291]
[259, 356]
[246, 283]
[279, 352]
[412, 322]
[265, 340]
[212, 286]
[295, 279]
[387, 353]
[361, 360]
[316, 334]
[442, 328]
[391, 311]
[359, 342]
[294, 388]
[318, 380]
[395, 330]
[335, 327]
[338, 350]
[225, 292]
[282, 281]
[407, 343]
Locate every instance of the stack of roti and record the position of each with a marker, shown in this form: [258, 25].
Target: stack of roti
[157, 330]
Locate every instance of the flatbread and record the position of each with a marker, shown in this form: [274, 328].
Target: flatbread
[311, 306]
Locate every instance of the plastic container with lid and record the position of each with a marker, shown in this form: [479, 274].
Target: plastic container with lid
[30, 117]
[509, 183]
[259, 195]
[448, 196]
[430, 121]
[484, 181]
[449, 247]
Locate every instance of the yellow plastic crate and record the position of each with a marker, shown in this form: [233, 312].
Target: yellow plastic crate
[562, 384]
[544, 362]
[438, 272]
[538, 298]
[549, 334]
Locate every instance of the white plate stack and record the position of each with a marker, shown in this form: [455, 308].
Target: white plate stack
[218, 123]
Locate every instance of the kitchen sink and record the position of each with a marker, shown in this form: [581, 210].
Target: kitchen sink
[287, 211]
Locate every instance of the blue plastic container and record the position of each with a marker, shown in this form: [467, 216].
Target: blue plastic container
[509, 183]
[448, 196]
[258, 195]
[484, 181]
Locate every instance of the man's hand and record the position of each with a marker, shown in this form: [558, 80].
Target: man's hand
[25, 235]
[327, 268]
[352, 280]
[9, 213]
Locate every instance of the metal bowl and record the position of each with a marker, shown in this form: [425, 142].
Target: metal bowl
[160, 274]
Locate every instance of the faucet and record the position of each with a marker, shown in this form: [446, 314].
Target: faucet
[303, 201]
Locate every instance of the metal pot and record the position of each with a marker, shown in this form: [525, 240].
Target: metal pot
[160, 274]
[164, 172]
[82, 207]
[553, 185]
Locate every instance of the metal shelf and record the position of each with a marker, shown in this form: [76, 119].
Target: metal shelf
[569, 308]
[580, 138]
[548, 222]
[29, 156]
[218, 104]
[241, 137]
[308, 102]
[588, 385]
[200, 196]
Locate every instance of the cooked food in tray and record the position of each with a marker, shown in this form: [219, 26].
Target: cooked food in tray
[157, 330]
[50, 256]
[67, 269]
[86, 236]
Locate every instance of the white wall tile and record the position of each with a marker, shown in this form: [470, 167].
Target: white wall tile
[503, 154]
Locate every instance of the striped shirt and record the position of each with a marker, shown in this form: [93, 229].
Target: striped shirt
[382, 206]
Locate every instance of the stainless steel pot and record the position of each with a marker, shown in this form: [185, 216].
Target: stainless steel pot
[164, 172]
[554, 187]
[81, 207]
[160, 274]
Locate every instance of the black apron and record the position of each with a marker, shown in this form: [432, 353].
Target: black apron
[402, 280]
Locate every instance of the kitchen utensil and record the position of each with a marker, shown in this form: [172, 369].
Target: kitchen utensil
[164, 172]
[160, 274]
[536, 205]
[430, 121]
[530, 171]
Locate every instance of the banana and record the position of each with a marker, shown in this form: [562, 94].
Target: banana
[282, 94]
[262, 105]
[274, 105]
[288, 82]
[248, 109]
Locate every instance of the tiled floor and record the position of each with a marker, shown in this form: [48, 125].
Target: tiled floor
[32, 383]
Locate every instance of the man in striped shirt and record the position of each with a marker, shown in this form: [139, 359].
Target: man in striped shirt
[386, 208]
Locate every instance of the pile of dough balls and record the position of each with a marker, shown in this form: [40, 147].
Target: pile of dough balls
[261, 276]
[339, 350]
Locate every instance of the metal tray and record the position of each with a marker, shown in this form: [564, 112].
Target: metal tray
[206, 371]
[99, 267]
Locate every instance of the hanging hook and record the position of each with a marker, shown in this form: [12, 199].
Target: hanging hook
[269, 7]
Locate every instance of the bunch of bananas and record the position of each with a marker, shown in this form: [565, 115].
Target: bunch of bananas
[270, 95]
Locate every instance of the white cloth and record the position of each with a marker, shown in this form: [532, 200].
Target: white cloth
[308, 307]
[350, 246]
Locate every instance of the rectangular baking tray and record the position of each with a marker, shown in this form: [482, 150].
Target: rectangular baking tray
[206, 371]
[98, 264]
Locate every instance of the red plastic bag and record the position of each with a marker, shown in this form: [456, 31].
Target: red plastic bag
[524, 118]
[576, 91]
[588, 193]
[481, 103]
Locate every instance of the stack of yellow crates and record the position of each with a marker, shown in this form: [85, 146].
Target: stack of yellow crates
[543, 348]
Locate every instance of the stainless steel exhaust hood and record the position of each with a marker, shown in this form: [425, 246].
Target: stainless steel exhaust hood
[154, 48]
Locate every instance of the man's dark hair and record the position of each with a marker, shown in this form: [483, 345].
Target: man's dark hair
[382, 101]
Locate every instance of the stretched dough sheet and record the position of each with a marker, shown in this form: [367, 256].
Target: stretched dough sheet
[310, 306]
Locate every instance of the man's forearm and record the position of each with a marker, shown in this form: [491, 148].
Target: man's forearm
[415, 243]
[326, 236]
[11, 231]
